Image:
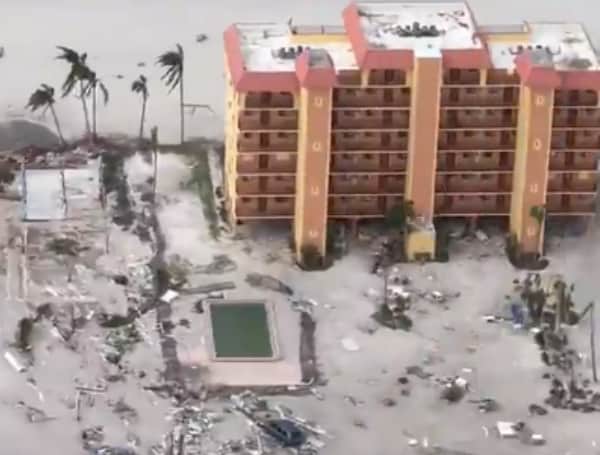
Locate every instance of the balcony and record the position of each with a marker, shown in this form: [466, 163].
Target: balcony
[355, 162]
[356, 206]
[582, 182]
[348, 77]
[371, 97]
[369, 119]
[475, 118]
[264, 207]
[473, 183]
[576, 98]
[387, 77]
[576, 118]
[479, 96]
[577, 160]
[268, 120]
[570, 204]
[268, 100]
[477, 140]
[267, 142]
[279, 162]
[354, 184]
[502, 77]
[349, 141]
[461, 77]
[466, 205]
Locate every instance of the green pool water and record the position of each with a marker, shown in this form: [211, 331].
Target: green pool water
[240, 330]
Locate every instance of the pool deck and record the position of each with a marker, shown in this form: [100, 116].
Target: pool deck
[282, 371]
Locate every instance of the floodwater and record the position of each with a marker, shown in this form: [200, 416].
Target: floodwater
[123, 38]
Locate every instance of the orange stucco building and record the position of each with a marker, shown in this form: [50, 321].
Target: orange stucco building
[414, 102]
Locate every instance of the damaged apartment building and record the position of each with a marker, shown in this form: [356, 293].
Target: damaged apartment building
[411, 102]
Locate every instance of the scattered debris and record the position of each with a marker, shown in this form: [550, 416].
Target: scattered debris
[207, 289]
[416, 370]
[14, 362]
[169, 296]
[486, 404]
[350, 345]
[454, 389]
[260, 280]
[121, 279]
[124, 411]
[92, 437]
[389, 402]
[220, 264]
[34, 415]
[120, 340]
[201, 37]
[536, 409]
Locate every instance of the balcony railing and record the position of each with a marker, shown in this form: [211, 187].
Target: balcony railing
[268, 100]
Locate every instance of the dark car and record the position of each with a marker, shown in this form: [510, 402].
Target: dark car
[285, 432]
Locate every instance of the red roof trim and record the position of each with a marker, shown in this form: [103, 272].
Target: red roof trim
[359, 44]
[233, 52]
[316, 78]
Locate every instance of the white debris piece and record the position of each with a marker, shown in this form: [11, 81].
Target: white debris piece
[14, 362]
[350, 345]
[506, 429]
[169, 296]
[481, 236]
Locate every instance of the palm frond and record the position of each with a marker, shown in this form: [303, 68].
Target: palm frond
[104, 91]
[43, 97]
[140, 85]
[172, 61]
[69, 55]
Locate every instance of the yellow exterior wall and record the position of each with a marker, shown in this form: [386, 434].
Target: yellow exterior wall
[419, 242]
[233, 102]
[317, 38]
[530, 174]
[312, 170]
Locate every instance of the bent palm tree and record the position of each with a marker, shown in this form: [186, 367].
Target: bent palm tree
[43, 97]
[140, 85]
[78, 75]
[172, 61]
[93, 84]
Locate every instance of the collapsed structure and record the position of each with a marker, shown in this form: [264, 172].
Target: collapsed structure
[411, 102]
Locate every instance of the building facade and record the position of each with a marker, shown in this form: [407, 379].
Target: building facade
[411, 102]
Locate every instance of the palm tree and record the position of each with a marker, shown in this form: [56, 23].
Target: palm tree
[172, 61]
[140, 85]
[43, 97]
[80, 75]
[93, 84]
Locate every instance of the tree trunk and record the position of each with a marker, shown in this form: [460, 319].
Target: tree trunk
[181, 117]
[57, 125]
[143, 119]
[94, 112]
[86, 115]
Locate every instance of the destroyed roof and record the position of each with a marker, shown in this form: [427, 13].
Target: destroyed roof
[566, 46]
[417, 25]
[42, 192]
[274, 47]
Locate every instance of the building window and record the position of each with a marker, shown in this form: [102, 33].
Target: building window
[279, 200]
[368, 157]
[488, 155]
[245, 200]
[247, 135]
